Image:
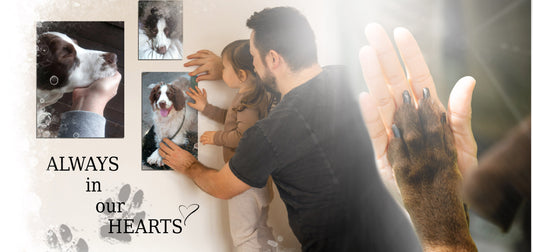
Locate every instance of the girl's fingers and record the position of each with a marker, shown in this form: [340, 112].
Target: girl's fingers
[198, 91]
[199, 54]
[198, 70]
[204, 51]
[194, 91]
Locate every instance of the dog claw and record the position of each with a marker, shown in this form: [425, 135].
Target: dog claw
[406, 97]
[396, 131]
[425, 92]
[443, 118]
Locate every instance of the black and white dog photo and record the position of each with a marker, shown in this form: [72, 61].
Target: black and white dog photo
[167, 115]
[69, 57]
[160, 30]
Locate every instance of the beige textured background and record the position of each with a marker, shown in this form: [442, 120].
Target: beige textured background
[46, 200]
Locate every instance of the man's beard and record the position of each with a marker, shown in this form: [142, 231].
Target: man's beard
[269, 81]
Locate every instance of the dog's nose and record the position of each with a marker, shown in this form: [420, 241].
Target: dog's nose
[110, 58]
[162, 50]
[162, 105]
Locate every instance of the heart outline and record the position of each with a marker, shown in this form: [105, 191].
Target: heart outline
[195, 206]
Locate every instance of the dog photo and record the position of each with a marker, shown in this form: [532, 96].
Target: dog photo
[160, 30]
[71, 56]
[167, 115]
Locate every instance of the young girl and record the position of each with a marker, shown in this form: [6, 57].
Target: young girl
[247, 211]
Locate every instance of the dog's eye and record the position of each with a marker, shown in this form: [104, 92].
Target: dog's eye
[167, 31]
[154, 31]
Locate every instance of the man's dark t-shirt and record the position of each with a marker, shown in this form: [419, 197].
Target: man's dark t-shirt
[315, 146]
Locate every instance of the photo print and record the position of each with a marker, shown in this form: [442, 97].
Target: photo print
[79, 93]
[165, 114]
[160, 30]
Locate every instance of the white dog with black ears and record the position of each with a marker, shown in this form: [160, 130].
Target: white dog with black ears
[171, 116]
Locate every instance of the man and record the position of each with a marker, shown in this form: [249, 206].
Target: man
[314, 145]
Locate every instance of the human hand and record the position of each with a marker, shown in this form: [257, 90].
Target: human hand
[199, 97]
[94, 98]
[175, 157]
[386, 81]
[208, 137]
[209, 65]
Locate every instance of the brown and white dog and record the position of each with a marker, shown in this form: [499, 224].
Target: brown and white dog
[62, 66]
[171, 116]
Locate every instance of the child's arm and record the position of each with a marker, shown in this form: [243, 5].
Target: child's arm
[230, 138]
[215, 113]
[200, 103]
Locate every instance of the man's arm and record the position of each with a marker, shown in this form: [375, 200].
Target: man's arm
[222, 184]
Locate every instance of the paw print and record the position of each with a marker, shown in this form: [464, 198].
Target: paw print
[125, 206]
[61, 239]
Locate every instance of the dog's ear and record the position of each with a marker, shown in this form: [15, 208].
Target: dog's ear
[55, 58]
[181, 83]
[154, 94]
[178, 98]
[172, 23]
[155, 11]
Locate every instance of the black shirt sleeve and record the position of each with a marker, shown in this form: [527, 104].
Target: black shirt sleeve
[254, 158]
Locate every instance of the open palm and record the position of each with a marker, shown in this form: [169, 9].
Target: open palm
[386, 81]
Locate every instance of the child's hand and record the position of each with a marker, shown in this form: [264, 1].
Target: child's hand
[199, 97]
[209, 65]
[208, 137]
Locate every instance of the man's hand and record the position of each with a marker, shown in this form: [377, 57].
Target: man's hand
[385, 78]
[222, 183]
[175, 157]
[94, 98]
[209, 65]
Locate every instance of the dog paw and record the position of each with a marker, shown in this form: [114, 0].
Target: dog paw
[155, 158]
[423, 145]
[424, 161]
[61, 239]
[126, 205]
[181, 139]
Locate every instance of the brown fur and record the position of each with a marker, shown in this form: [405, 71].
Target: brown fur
[424, 161]
[502, 181]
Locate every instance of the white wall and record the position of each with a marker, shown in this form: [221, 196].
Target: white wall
[55, 198]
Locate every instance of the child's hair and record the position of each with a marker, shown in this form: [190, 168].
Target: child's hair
[238, 54]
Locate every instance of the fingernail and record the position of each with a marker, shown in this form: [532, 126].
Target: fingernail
[395, 131]
[425, 92]
[406, 97]
[443, 117]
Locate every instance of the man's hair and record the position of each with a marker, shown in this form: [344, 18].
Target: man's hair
[286, 31]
